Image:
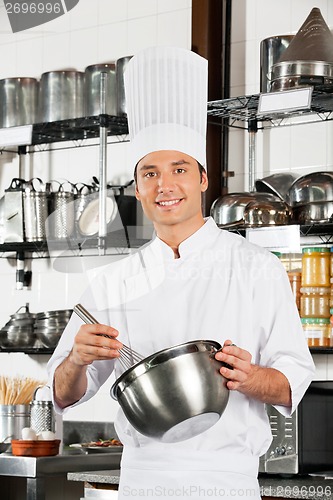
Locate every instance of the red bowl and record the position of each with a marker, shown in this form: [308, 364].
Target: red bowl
[26, 448]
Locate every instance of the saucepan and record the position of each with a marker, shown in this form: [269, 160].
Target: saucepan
[173, 394]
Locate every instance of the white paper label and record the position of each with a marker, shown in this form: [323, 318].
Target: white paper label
[286, 100]
[16, 136]
[284, 239]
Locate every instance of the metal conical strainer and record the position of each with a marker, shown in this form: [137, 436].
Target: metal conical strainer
[308, 60]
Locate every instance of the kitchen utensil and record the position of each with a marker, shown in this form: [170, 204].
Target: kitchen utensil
[266, 213]
[128, 357]
[35, 209]
[49, 326]
[277, 184]
[313, 187]
[174, 394]
[121, 99]
[18, 101]
[13, 212]
[13, 418]
[61, 95]
[18, 331]
[271, 49]
[42, 416]
[60, 222]
[313, 213]
[229, 209]
[26, 448]
[93, 90]
[308, 60]
[5, 444]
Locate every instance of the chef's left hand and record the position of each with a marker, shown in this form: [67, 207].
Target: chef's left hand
[240, 360]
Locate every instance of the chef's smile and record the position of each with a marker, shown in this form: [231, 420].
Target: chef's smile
[169, 204]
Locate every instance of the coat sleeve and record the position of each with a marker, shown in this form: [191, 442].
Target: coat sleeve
[98, 372]
[283, 344]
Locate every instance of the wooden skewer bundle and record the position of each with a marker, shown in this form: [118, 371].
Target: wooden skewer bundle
[17, 390]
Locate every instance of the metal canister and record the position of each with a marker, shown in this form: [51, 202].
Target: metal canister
[60, 223]
[35, 211]
[13, 418]
[18, 101]
[93, 89]
[121, 65]
[61, 95]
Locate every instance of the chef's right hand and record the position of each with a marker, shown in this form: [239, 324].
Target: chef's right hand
[95, 342]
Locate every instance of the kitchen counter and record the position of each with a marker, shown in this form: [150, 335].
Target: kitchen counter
[303, 487]
[37, 469]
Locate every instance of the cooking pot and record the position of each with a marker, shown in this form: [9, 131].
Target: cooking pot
[120, 70]
[174, 394]
[270, 52]
[18, 101]
[93, 89]
[229, 209]
[313, 187]
[291, 74]
[61, 95]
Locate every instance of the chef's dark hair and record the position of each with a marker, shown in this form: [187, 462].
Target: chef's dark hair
[201, 170]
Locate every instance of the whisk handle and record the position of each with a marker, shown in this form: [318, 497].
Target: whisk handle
[84, 314]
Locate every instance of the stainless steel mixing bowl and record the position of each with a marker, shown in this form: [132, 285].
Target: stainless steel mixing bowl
[313, 187]
[174, 394]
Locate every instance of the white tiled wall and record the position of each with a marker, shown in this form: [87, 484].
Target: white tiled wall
[93, 32]
[301, 149]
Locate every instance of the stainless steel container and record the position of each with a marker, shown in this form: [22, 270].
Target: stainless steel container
[61, 95]
[13, 212]
[35, 209]
[13, 418]
[42, 417]
[92, 89]
[60, 222]
[18, 101]
[176, 393]
[270, 52]
[120, 70]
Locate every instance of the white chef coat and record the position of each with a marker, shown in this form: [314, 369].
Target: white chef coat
[222, 287]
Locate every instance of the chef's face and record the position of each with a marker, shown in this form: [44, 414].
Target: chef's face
[169, 186]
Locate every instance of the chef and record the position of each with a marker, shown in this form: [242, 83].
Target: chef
[192, 281]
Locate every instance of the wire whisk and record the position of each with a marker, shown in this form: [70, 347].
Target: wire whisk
[128, 357]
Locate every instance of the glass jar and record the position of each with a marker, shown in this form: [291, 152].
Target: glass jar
[331, 266]
[315, 302]
[295, 283]
[316, 262]
[317, 331]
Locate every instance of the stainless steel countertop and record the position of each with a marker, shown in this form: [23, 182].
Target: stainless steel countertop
[11, 465]
[101, 476]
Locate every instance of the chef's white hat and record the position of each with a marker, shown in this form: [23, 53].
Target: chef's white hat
[166, 100]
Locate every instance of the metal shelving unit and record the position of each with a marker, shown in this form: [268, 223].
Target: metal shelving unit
[242, 111]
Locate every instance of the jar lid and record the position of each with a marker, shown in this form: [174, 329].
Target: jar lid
[323, 290]
[315, 321]
[316, 250]
[331, 310]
